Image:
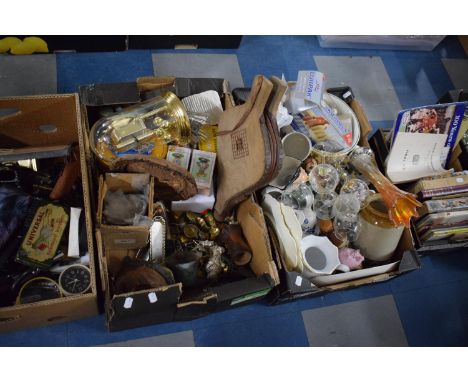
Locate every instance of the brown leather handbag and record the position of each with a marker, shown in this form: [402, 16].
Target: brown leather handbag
[249, 147]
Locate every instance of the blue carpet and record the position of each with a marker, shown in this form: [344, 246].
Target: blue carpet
[431, 302]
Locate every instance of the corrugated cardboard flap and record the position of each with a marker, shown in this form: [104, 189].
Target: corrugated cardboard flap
[252, 221]
[25, 128]
[109, 94]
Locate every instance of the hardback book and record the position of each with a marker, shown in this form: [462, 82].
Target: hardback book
[452, 234]
[443, 205]
[423, 140]
[443, 218]
[447, 185]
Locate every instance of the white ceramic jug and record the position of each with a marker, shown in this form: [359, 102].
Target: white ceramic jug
[320, 257]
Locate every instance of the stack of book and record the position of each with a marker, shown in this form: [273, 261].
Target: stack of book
[444, 214]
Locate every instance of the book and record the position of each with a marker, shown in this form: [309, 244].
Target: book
[443, 205]
[447, 185]
[440, 219]
[423, 139]
[443, 197]
[452, 234]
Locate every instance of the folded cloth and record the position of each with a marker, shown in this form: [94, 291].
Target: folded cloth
[13, 204]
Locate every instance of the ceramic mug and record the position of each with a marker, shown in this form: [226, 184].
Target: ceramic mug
[320, 257]
[287, 173]
[296, 145]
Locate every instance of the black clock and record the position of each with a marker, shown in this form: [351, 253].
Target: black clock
[76, 279]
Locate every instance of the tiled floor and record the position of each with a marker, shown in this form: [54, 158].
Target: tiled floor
[423, 308]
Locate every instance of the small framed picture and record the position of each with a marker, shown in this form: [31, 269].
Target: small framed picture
[202, 167]
[179, 155]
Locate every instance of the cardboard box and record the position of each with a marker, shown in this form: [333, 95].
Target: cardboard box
[293, 285]
[124, 237]
[172, 302]
[379, 141]
[464, 42]
[21, 126]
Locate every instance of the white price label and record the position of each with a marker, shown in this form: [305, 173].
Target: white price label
[152, 297]
[128, 303]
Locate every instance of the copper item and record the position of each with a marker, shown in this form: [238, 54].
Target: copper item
[202, 224]
[214, 233]
[191, 217]
[191, 231]
[184, 239]
[239, 251]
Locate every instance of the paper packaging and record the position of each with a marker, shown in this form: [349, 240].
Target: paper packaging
[179, 155]
[202, 167]
[305, 101]
[73, 234]
[309, 86]
[63, 112]
[197, 203]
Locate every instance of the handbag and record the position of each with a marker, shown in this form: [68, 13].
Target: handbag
[249, 146]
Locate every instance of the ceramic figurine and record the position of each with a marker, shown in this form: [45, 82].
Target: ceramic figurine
[352, 258]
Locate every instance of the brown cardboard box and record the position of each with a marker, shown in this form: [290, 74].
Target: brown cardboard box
[171, 302]
[294, 286]
[464, 42]
[20, 127]
[123, 237]
[427, 248]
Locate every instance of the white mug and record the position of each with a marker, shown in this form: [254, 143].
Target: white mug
[296, 145]
[287, 172]
[320, 257]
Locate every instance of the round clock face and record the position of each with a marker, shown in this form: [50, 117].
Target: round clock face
[76, 279]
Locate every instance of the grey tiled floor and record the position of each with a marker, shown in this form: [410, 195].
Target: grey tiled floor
[28, 75]
[458, 71]
[374, 90]
[173, 340]
[199, 66]
[371, 322]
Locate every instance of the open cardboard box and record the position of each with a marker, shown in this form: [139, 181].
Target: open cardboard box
[172, 302]
[124, 237]
[43, 121]
[293, 285]
[379, 144]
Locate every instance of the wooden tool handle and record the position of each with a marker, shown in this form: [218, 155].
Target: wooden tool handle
[66, 181]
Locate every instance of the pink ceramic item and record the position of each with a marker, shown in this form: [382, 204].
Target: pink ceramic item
[351, 258]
